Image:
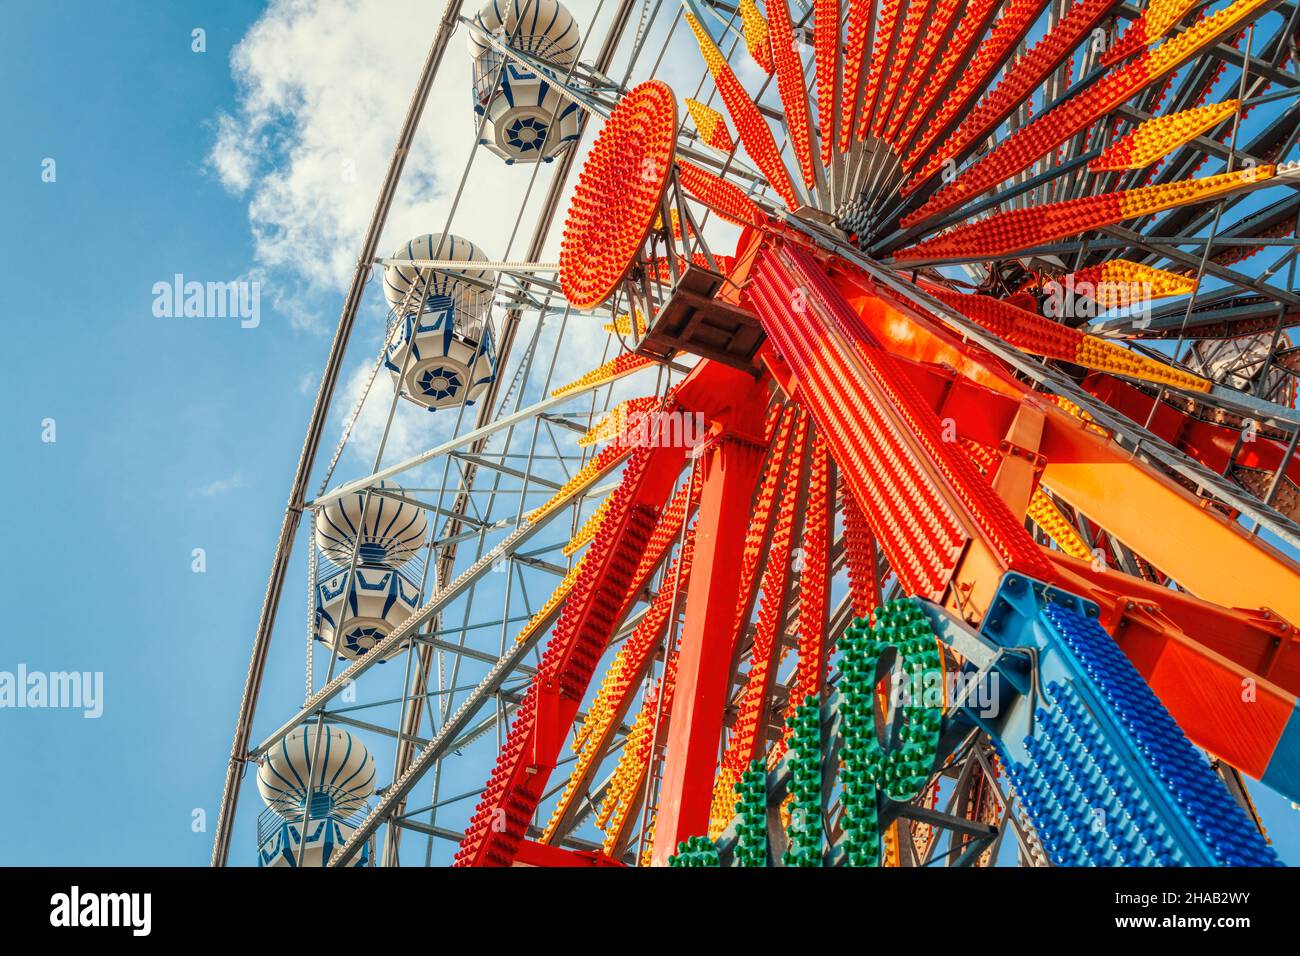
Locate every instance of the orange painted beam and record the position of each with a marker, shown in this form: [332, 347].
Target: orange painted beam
[1203, 551]
[1260, 643]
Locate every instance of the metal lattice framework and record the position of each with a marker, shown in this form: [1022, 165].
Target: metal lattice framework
[1002, 347]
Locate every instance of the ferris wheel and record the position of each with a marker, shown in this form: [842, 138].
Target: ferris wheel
[879, 449]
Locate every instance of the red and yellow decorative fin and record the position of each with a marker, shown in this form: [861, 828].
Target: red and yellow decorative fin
[1020, 80]
[1157, 138]
[623, 325]
[826, 51]
[752, 129]
[712, 127]
[975, 74]
[1051, 129]
[1119, 282]
[1041, 336]
[1016, 229]
[1150, 26]
[746, 737]
[757, 42]
[612, 424]
[615, 368]
[898, 60]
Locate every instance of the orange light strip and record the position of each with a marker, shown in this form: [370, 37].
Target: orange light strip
[907, 37]
[790, 85]
[624, 364]
[1018, 83]
[616, 419]
[826, 48]
[952, 57]
[1015, 229]
[752, 129]
[1009, 29]
[1051, 129]
[810, 672]
[620, 683]
[879, 53]
[746, 739]
[855, 51]
[923, 72]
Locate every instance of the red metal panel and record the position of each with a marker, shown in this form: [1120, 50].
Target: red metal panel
[901, 501]
[921, 496]
[1260, 643]
[1220, 706]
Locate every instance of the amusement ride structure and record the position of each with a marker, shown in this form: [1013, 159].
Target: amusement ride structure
[934, 502]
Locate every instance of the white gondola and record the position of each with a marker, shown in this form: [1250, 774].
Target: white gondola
[280, 847]
[527, 120]
[342, 778]
[441, 353]
[355, 611]
[391, 533]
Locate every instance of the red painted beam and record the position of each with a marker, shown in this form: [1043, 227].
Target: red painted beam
[730, 467]
[922, 497]
[531, 853]
[1208, 443]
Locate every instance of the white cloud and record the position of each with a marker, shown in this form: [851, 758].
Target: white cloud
[324, 86]
[220, 486]
[323, 90]
[412, 427]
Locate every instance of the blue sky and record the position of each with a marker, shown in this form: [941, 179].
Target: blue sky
[154, 417]
[174, 434]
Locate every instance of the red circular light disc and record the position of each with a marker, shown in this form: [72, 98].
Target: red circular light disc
[618, 194]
